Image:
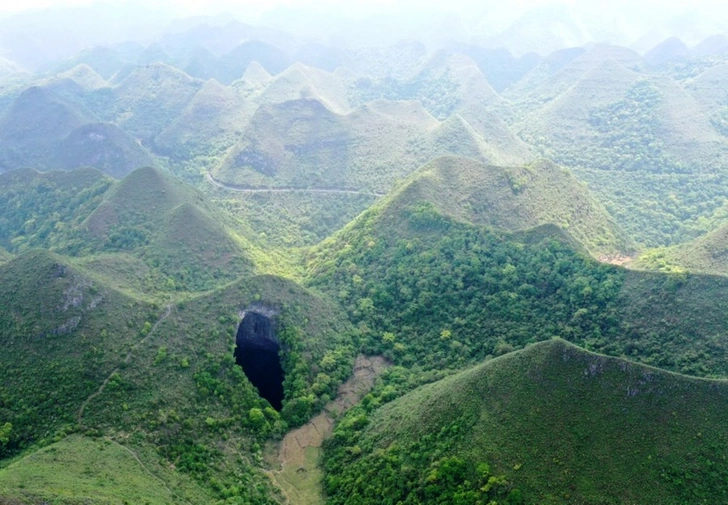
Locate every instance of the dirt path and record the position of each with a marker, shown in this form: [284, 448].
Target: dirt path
[240, 189]
[148, 471]
[127, 359]
[296, 458]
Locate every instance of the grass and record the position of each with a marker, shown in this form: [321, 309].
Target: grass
[562, 424]
[514, 198]
[79, 470]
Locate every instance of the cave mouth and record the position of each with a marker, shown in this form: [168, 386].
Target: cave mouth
[257, 353]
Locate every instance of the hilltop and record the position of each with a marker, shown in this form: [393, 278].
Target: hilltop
[54, 320]
[34, 123]
[148, 234]
[432, 287]
[303, 144]
[110, 360]
[707, 254]
[512, 199]
[552, 423]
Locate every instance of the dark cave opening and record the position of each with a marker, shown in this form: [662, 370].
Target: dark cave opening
[257, 353]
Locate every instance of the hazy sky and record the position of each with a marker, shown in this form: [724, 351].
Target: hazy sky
[361, 7]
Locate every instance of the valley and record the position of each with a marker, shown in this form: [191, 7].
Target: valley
[243, 264]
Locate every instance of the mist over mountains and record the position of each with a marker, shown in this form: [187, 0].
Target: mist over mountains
[364, 253]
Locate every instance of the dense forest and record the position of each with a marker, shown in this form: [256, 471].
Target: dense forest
[445, 263]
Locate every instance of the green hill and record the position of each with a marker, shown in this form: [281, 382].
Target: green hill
[303, 144]
[300, 81]
[105, 61]
[512, 198]
[63, 334]
[209, 123]
[559, 72]
[150, 98]
[103, 146]
[549, 424]
[85, 76]
[439, 291]
[443, 83]
[79, 469]
[148, 234]
[4, 255]
[168, 225]
[45, 209]
[32, 126]
[707, 254]
[232, 65]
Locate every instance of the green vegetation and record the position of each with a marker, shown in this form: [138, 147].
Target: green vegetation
[405, 273]
[660, 209]
[77, 469]
[549, 424]
[121, 299]
[63, 334]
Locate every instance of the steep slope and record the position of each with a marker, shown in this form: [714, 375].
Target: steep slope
[63, 334]
[614, 120]
[85, 76]
[300, 81]
[303, 144]
[441, 291]
[669, 51]
[444, 83]
[62, 473]
[35, 122]
[150, 98]
[209, 123]
[707, 254]
[513, 198]
[167, 224]
[564, 69]
[559, 424]
[103, 146]
[708, 88]
[4, 255]
[232, 65]
[45, 209]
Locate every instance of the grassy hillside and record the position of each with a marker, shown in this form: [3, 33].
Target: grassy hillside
[512, 198]
[707, 254]
[660, 209]
[194, 245]
[549, 424]
[300, 81]
[443, 83]
[103, 146]
[303, 144]
[44, 209]
[78, 469]
[63, 334]
[292, 219]
[209, 123]
[149, 234]
[436, 291]
[150, 98]
[31, 128]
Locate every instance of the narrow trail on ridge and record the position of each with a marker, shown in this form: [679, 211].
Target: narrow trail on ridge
[126, 360]
[241, 189]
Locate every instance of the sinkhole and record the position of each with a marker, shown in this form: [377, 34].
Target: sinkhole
[256, 352]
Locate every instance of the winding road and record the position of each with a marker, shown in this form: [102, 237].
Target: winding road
[329, 191]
